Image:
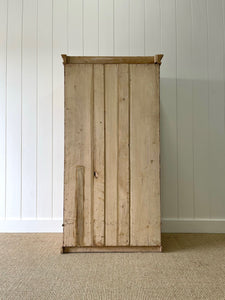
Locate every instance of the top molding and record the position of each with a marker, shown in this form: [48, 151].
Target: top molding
[156, 59]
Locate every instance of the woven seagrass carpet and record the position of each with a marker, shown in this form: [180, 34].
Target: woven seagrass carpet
[192, 266]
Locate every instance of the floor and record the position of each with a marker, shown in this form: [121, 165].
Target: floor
[192, 266]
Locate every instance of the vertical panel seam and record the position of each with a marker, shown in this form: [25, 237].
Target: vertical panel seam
[104, 158]
[6, 101]
[118, 126]
[98, 26]
[114, 28]
[83, 25]
[21, 128]
[208, 89]
[178, 213]
[52, 121]
[67, 26]
[144, 27]
[129, 156]
[37, 123]
[193, 119]
[92, 157]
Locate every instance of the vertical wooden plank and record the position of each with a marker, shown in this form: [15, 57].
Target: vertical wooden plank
[216, 108]
[3, 95]
[152, 32]
[90, 29]
[59, 47]
[200, 109]
[79, 198]
[44, 110]
[78, 149]
[184, 110]
[137, 27]
[111, 160]
[98, 140]
[13, 153]
[29, 105]
[168, 108]
[144, 156]
[106, 32]
[75, 26]
[122, 27]
[123, 156]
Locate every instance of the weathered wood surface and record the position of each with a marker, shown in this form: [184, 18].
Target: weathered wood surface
[112, 59]
[99, 154]
[78, 149]
[123, 156]
[144, 155]
[111, 153]
[111, 180]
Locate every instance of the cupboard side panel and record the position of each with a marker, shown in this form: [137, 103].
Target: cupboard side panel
[98, 142]
[144, 155]
[123, 155]
[111, 159]
[78, 152]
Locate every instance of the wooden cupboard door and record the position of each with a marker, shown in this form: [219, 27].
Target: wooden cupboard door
[144, 156]
[111, 168]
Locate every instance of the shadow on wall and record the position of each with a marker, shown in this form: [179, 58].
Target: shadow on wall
[192, 148]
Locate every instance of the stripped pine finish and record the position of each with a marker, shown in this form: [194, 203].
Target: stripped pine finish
[99, 154]
[111, 155]
[111, 176]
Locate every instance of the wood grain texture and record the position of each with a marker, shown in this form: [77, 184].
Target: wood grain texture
[111, 153]
[113, 59]
[79, 202]
[116, 249]
[123, 155]
[144, 156]
[99, 152]
[78, 148]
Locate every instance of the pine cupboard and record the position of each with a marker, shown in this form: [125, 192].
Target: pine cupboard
[111, 154]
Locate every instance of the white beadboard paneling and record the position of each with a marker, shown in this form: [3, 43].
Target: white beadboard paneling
[74, 26]
[29, 104]
[200, 109]
[44, 110]
[34, 34]
[168, 110]
[31, 225]
[3, 73]
[184, 109]
[13, 144]
[59, 47]
[90, 27]
[106, 31]
[153, 26]
[216, 108]
[193, 225]
[137, 27]
[122, 27]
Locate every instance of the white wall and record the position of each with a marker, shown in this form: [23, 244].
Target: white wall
[191, 34]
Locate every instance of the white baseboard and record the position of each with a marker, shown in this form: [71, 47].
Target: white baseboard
[194, 225]
[168, 225]
[31, 225]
